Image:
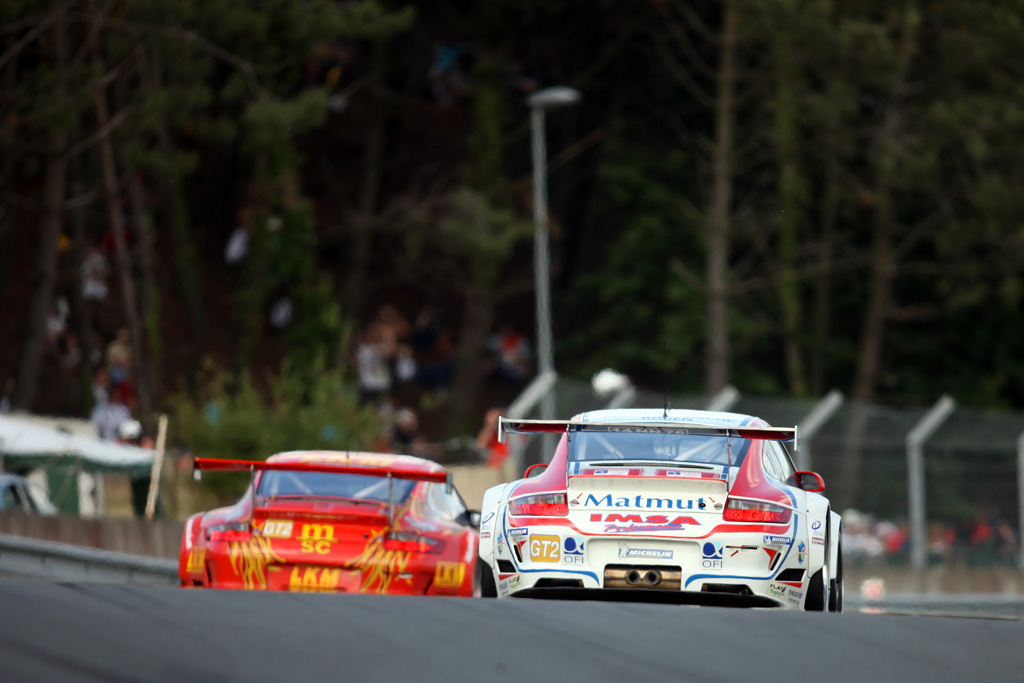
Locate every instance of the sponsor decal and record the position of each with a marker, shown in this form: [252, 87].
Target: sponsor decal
[313, 579]
[644, 553]
[818, 540]
[503, 588]
[521, 531]
[486, 521]
[317, 538]
[515, 582]
[690, 474]
[711, 553]
[776, 590]
[485, 534]
[815, 525]
[643, 502]
[276, 528]
[501, 544]
[196, 560]
[449, 574]
[613, 471]
[801, 553]
[619, 523]
[776, 539]
[795, 594]
[545, 548]
[572, 550]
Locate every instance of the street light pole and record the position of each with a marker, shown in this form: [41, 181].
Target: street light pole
[539, 102]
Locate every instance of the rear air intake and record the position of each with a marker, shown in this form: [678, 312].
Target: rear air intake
[506, 567]
[792, 575]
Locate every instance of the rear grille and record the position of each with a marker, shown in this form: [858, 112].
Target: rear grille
[793, 575]
[642, 577]
[736, 589]
[559, 583]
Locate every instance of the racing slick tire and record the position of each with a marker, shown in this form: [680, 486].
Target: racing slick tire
[817, 598]
[835, 593]
[485, 580]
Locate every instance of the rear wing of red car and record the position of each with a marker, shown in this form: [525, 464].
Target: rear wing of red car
[219, 465]
[253, 466]
[515, 426]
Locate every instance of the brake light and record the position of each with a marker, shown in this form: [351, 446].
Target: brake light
[752, 511]
[542, 505]
[413, 543]
[229, 532]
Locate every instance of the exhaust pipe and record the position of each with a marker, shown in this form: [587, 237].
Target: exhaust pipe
[633, 577]
[652, 578]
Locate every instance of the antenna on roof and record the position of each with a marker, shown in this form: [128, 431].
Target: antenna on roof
[664, 360]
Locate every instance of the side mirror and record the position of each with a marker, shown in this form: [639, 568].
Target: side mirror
[526, 475]
[473, 518]
[810, 481]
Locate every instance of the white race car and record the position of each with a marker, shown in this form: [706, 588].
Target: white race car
[680, 506]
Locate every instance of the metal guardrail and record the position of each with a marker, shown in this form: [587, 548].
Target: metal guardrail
[31, 558]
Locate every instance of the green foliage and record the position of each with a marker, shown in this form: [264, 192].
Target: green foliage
[237, 417]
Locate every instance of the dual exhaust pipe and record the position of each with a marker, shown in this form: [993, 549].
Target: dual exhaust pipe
[650, 577]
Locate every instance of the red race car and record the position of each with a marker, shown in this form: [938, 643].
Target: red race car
[324, 521]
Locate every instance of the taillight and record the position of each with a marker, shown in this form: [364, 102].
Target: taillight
[239, 531]
[399, 540]
[751, 511]
[542, 505]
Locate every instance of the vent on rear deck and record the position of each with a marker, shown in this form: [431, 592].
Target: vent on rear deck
[795, 575]
[506, 567]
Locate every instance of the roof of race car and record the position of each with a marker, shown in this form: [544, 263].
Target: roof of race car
[384, 460]
[701, 417]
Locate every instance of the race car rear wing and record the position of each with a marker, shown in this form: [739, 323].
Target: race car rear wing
[218, 465]
[253, 466]
[515, 426]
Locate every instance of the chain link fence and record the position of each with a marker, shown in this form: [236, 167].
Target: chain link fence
[971, 485]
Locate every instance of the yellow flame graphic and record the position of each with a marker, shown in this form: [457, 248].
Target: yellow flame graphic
[379, 566]
[249, 560]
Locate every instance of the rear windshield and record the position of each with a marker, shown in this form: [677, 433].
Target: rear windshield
[278, 483]
[616, 446]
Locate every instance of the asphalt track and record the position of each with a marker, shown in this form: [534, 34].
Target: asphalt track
[57, 632]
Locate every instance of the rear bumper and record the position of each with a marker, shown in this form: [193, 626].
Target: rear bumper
[649, 596]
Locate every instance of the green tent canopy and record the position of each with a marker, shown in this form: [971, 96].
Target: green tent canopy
[24, 445]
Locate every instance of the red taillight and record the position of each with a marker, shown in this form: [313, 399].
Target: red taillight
[413, 543]
[229, 532]
[752, 511]
[543, 505]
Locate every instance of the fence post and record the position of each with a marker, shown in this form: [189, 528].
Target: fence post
[916, 439]
[724, 399]
[813, 421]
[1020, 496]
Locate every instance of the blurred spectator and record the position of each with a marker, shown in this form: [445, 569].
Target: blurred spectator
[436, 373]
[510, 355]
[430, 322]
[373, 370]
[119, 357]
[281, 312]
[487, 439]
[56, 325]
[110, 413]
[406, 437]
[237, 245]
[94, 276]
[405, 364]
[447, 80]
[388, 329]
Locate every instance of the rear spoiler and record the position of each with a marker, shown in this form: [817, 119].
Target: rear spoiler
[515, 426]
[253, 466]
[218, 465]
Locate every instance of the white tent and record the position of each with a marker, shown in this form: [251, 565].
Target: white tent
[21, 441]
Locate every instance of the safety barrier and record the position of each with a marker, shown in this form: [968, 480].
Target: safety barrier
[31, 558]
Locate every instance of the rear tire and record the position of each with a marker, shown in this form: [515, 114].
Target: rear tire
[817, 597]
[485, 580]
[836, 599]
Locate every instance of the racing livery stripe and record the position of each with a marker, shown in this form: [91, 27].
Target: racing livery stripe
[504, 520]
[796, 523]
